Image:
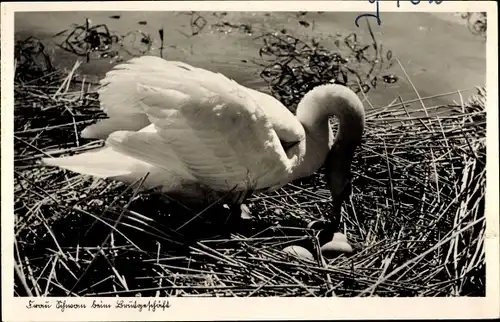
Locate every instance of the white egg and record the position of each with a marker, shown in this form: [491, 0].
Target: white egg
[299, 252]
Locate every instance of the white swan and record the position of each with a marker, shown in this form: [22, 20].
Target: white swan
[200, 135]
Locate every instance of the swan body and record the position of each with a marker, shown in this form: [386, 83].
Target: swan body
[199, 135]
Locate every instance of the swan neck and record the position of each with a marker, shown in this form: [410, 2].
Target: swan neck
[326, 101]
[314, 112]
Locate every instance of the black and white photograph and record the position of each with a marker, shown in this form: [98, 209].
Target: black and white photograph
[151, 154]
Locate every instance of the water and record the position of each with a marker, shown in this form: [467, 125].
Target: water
[437, 50]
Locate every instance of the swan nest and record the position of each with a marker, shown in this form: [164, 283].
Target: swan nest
[416, 212]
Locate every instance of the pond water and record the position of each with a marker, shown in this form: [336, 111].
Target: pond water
[437, 50]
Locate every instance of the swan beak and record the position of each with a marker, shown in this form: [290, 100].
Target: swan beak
[339, 243]
[245, 212]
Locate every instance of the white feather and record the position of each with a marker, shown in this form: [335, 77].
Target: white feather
[189, 127]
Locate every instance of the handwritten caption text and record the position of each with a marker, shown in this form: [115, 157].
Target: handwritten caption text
[67, 305]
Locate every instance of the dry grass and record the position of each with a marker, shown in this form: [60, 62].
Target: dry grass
[417, 208]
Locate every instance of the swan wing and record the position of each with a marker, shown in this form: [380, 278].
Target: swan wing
[287, 126]
[120, 102]
[202, 124]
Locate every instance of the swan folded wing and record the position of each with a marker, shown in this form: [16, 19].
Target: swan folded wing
[119, 98]
[118, 94]
[221, 139]
[286, 125]
[148, 147]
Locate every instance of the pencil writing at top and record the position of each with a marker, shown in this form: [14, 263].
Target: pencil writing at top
[376, 15]
[415, 2]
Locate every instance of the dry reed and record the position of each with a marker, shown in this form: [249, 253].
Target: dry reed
[416, 212]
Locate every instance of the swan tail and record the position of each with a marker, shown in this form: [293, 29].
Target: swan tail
[102, 163]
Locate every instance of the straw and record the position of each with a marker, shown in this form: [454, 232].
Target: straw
[416, 212]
